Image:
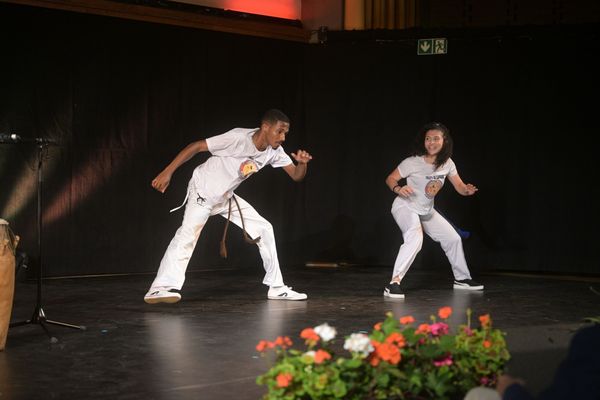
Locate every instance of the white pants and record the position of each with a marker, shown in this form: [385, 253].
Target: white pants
[171, 273]
[436, 227]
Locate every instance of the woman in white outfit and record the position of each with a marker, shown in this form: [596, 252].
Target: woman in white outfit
[425, 173]
[235, 156]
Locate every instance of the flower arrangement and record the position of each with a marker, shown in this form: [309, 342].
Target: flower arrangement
[397, 360]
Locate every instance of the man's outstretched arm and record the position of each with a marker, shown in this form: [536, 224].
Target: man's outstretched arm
[298, 171]
[162, 180]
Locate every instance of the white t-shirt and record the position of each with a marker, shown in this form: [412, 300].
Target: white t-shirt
[425, 182]
[234, 158]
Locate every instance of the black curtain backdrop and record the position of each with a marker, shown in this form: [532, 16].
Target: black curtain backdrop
[123, 97]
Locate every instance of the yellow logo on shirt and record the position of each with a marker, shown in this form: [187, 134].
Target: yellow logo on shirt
[247, 168]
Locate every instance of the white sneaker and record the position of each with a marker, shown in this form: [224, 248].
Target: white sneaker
[285, 293]
[162, 296]
[467, 284]
[393, 290]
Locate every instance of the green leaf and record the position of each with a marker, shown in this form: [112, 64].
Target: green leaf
[383, 380]
[339, 389]
[353, 363]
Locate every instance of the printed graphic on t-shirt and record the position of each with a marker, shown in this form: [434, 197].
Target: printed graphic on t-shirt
[432, 188]
[247, 168]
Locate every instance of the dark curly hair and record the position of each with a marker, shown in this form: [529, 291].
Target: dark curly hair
[273, 115]
[446, 151]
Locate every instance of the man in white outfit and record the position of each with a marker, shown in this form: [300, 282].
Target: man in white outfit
[235, 155]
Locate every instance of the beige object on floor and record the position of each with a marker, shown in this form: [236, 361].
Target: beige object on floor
[482, 393]
[8, 244]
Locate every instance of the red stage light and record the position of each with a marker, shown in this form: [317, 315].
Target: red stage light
[288, 9]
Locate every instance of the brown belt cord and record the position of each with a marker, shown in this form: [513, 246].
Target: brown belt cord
[247, 237]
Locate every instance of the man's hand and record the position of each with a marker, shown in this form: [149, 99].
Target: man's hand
[302, 157]
[161, 182]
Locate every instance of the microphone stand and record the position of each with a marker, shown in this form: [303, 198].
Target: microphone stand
[39, 317]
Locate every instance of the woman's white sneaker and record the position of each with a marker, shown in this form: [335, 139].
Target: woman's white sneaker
[467, 284]
[285, 293]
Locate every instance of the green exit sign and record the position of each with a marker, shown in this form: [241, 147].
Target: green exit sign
[426, 47]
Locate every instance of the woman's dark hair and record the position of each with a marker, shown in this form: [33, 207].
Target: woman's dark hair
[273, 115]
[446, 151]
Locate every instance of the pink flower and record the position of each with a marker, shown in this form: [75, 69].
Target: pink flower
[439, 329]
[443, 361]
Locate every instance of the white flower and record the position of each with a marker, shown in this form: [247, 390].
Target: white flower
[310, 353]
[359, 343]
[326, 332]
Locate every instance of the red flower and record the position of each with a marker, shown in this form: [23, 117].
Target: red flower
[284, 379]
[485, 320]
[283, 341]
[388, 352]
[445, 312]
[423, 329]
[385, 352]
[377, 326]
[321, 355]
[262, 346]
[310, 336]
[407, 320]
[487, 344]
[397, 339]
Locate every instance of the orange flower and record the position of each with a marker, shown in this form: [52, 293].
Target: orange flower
[283, 341]
[487, 344]
[321, 355]
[389, 352]
[284, 379]
[407, 320]
[375, 359]
[310, 336]
[445, 312]
[423, 329]
[397, 339]
[263, 345]
[485, 320]
[377, 326]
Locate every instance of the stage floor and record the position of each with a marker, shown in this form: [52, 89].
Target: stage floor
[204, 346]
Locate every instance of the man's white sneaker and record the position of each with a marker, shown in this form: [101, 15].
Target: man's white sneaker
[162, 296]
[285, 293]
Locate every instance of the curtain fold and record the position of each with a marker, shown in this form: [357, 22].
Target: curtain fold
[380, 14]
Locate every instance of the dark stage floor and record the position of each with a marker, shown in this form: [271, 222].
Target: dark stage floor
[204, 346]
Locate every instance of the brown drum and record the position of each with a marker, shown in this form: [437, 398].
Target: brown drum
[8, 244]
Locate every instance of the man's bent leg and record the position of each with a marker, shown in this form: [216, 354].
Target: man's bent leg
[257, 226]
